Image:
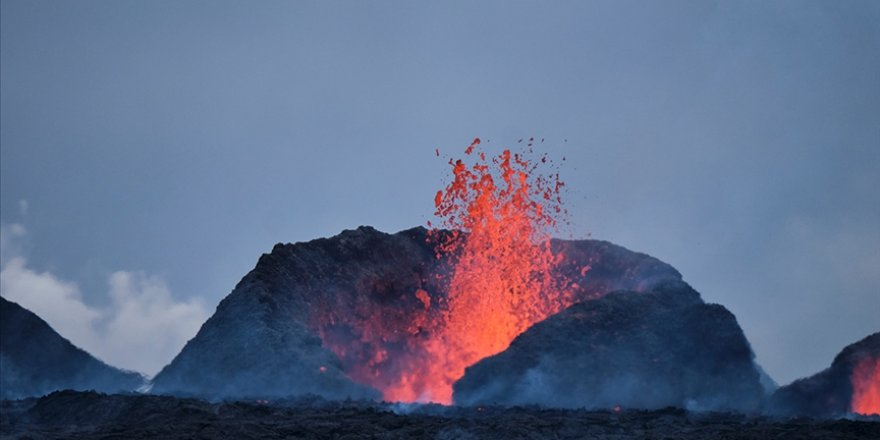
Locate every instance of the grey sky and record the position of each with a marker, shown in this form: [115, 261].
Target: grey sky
[738, 141]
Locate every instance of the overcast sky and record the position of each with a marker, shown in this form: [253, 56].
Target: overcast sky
[152, 150]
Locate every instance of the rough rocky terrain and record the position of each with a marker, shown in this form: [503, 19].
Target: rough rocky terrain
[35, 360]
[264, 337]
[78, 415]
[660, 348]
[827, 393]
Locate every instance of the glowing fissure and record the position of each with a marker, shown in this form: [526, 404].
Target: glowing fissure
[866, 386]
[501, 279]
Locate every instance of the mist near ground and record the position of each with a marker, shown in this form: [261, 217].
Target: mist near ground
[151, 151]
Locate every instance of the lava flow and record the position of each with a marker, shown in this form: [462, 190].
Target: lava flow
[866, 387]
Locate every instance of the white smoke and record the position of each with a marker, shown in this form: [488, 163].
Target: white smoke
[141, 329]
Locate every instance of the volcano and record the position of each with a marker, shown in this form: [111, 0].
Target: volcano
[350, 316]
[851, 385]
[402, 316]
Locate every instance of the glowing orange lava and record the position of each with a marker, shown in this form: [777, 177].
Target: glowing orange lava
[502, 281]
[866, 387]
[496, 276]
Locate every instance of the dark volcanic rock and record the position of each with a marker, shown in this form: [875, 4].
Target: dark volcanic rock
[252, 347]
[266, 337]
[665, 347]
[261, 341]
[829, 392]
[76, 415]
[35, 360]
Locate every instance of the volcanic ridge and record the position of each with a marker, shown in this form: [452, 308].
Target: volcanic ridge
[347, 316]
[314, 339]
[485, 310]
[35, 360]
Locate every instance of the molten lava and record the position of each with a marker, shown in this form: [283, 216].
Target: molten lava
[495, 277]
[866, 387]
[503, 278]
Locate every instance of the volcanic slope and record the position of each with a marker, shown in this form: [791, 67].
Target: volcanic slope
[326, 315]
[829, 393]
[660, 348]
[36, 360]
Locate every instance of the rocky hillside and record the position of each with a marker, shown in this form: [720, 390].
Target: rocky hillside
[664, 347]
[829, 392]
[359, 291]
[35, 360]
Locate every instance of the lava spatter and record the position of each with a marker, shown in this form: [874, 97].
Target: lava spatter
[499, 277]
[503, 277]
[866, 387]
